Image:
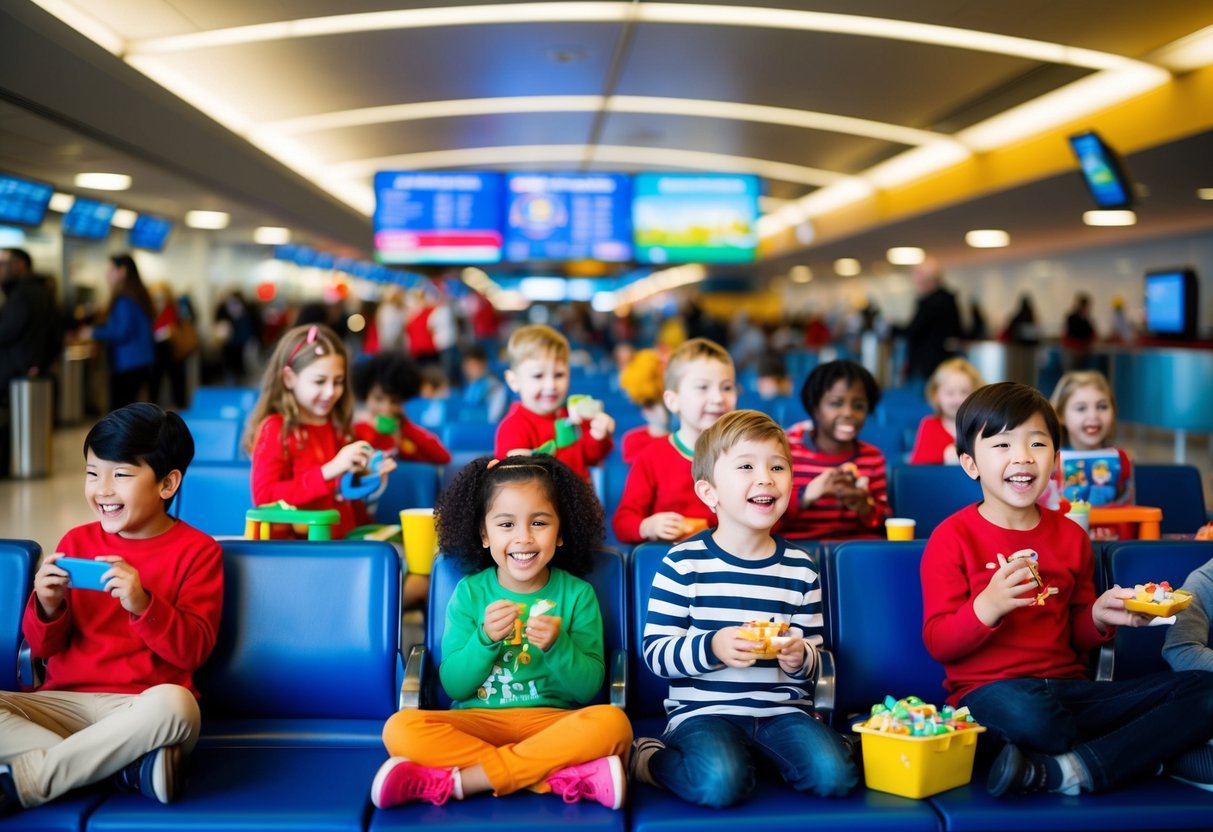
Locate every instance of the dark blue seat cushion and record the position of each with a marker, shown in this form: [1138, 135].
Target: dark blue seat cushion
[69, 812]
[255, 789]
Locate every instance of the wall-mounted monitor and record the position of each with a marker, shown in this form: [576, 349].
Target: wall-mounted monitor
[1172, 303]
[150, 232]
[695, 217]
[568, 216]
[23, 201]
[437, 217]
[1102, 171]
[89, 219]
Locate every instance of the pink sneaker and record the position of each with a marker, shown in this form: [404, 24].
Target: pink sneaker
[600, 780]
[402, 781]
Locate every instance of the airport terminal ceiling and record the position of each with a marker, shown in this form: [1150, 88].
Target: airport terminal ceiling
[288, 120]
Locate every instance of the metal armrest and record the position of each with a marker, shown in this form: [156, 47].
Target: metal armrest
[410, 688]
[619, 678]
[1105, 663]
[824, 684]
[31, 672]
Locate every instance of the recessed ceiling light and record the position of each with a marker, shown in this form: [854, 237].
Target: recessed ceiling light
[61, 203]
[272, 235]
[905, 255]
[208, 220]
[847, 267]
[124, 218]
[1109, 218]
[800, 274]
[103, 181]
[988, 238]
[1204, 193]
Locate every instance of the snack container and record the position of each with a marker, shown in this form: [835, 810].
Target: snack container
[917, 767]
[1180, 599]
[772, 635]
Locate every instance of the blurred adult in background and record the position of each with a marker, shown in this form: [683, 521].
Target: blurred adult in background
[932, 335]
[1022, 328]
[127, 333]
[1123, 330]
[978, 329]
[390, 318]
[31, 333]
[1079, 334]
[236, 327]
[176, 340]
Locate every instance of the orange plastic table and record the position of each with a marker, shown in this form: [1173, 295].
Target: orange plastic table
[1147, 518]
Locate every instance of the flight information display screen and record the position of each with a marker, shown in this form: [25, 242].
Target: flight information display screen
[23, 201]
[150, 232]
[568, 216]
[89, 219]
[691, 217]
[437, 217]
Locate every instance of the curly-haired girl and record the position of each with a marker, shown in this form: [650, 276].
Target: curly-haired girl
[522, 650]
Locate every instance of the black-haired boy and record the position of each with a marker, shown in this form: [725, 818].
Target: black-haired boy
[383, 383]
[119, 696]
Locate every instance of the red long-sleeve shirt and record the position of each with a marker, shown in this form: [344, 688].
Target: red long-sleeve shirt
[521, 428]
[636, 440]
[412, 443]
[827, 518]
[660, 480]
[94, 645]
[291, 471]
[930, 442]
[1047, 641]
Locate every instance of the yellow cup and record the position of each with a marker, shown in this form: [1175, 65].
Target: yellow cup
[420, 539]
[900, 528]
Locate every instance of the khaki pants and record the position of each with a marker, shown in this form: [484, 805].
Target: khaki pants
[518, 747]
[56, 741]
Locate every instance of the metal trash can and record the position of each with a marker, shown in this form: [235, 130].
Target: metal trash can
[73, 370]
[31, 426]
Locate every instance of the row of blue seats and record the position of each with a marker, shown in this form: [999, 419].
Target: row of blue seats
[296, 692]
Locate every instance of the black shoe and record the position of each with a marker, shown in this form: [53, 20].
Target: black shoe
[1194, 767]
[1014, 773]
[10, 804]
[158, 774]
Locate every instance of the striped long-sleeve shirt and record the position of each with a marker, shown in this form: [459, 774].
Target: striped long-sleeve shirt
[700, 589]
[828, 519]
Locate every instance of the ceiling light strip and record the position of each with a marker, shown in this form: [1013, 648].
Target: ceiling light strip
[619, 12]
[85, 24]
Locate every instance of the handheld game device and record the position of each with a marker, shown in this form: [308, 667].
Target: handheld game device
[84, 573]
[361, 486]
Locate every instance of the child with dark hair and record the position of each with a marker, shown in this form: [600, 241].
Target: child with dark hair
[384, 382]
[522, 650]
[119, 695]
[1010, 610]
[840, 481]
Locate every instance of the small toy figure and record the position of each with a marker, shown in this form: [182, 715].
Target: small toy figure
[1029, 557]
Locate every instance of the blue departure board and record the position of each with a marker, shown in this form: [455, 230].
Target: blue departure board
[437, 217]
[568, 216]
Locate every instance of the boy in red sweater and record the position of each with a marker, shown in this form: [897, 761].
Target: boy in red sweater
[659, 496]
[539, 374]
[1010, 610]
[384, 382]
[119, 696]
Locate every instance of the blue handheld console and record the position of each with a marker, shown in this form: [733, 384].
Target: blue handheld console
[84, 573]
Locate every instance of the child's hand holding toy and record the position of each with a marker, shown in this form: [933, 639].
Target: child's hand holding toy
[499, 618]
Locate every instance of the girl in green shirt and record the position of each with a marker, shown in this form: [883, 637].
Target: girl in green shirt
[522, 649]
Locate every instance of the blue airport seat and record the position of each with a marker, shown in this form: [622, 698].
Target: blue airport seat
[214, 497]
[1177, 490]
[772, 805]
[459, 460]
[411, 485]
[890, 439]
[18, 562]
[294, 696]
[227, 402]
[930, 494]
[432, 414]
[522, 811]
[216, 438]
[468, 436]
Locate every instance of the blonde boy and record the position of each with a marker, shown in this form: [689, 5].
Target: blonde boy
[659, 501]
[539, 374]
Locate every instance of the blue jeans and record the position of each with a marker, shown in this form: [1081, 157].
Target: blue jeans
[707, 759]
[1121, 730]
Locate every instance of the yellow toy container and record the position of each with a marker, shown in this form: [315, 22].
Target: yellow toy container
[918, 767]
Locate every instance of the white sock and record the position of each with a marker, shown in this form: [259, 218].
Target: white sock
[457, 779]
[1074, 775]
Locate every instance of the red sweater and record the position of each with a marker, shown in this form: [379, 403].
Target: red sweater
[827, 519]
[412, 443]
[291, 471]
[930, 443]
[94, 645]
[660, 480]
[521, 428]
[635, 441]
[1044, 642]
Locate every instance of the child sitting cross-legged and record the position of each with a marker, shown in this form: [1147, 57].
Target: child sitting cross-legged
[1010, 610]
[730, 696]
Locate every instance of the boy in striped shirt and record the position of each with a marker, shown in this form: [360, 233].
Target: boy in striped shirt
[727, 703]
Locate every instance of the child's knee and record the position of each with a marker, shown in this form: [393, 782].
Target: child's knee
[402, 731]
[614, 725]
[174, 707]
[718, 779]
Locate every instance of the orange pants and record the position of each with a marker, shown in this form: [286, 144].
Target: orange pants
[518, 747]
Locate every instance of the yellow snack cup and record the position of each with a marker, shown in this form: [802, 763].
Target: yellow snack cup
[420, 539]
[900, 528]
